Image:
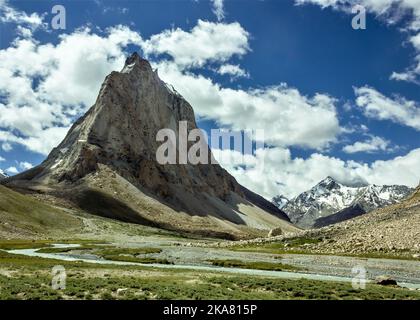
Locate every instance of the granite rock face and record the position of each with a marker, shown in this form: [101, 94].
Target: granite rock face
[111, 152]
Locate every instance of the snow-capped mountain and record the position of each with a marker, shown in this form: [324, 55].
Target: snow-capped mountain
[330, 202]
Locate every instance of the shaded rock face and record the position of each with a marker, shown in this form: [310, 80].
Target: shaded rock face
[331, 202]
[119, 133]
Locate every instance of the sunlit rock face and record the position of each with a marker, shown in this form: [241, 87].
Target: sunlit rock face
[113, 148]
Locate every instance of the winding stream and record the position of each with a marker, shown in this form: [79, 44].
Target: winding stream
[254, 272]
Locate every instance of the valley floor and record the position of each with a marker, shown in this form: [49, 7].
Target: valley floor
[139, 262]
[166, 267]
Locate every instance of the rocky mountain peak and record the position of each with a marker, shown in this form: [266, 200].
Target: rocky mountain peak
[137, 63]
[328, 179]
[111, 152]
[328, 183]
[134, 58]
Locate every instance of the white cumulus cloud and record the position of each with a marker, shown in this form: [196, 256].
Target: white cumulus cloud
[12, 170]
[31, 22]
[378, 106]
[205, 42]
[24, 165]
[287, 116]
[373, 144]
[233, 70]
[274, 171]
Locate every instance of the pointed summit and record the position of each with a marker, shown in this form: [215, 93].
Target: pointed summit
[107, 165]
[135, 61]
[328, 183]
[135, 57]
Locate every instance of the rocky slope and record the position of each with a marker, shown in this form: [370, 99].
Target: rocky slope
[331, 202]
[392, 229]
[107, 165]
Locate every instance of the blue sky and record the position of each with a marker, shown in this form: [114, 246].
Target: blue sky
[353, 120]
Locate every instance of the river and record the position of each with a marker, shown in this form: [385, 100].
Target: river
[253, 272]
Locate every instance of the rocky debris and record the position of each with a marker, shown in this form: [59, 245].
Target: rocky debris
[330, 202]
[386, 281]
[107, 165]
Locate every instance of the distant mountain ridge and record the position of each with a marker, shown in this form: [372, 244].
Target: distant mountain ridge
[331, 202]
